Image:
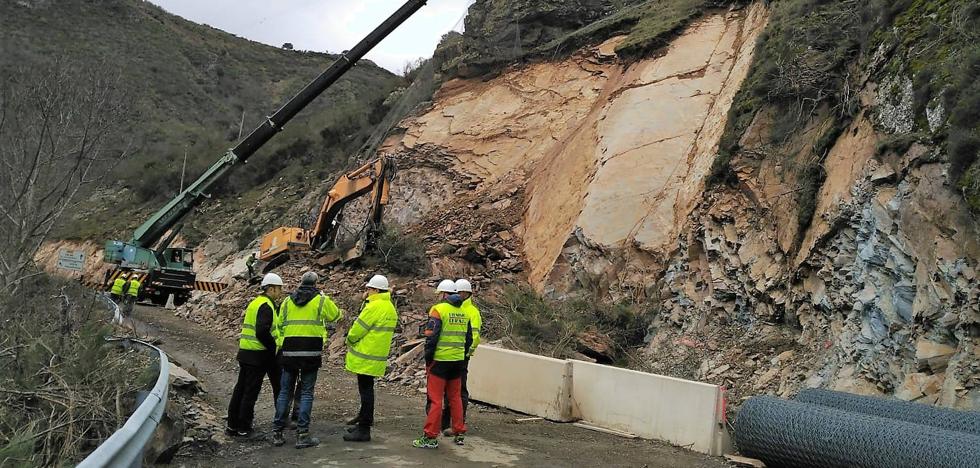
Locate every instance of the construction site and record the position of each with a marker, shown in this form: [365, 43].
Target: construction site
[699, 233]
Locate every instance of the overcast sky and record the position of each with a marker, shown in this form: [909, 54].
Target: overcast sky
[328, 25]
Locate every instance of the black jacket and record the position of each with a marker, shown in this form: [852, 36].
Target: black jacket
[263, 331]
[301, 297]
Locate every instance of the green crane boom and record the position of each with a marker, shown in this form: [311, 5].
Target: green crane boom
[176, 265]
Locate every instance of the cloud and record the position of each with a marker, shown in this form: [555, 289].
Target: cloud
[327, 25]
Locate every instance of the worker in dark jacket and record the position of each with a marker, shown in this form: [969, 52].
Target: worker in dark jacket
[256, 357]
[301, 333]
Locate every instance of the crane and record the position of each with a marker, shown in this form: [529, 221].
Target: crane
[170, 270]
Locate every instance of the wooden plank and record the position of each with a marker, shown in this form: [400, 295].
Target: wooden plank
[605, 431]
[524, 420]
[745, 461]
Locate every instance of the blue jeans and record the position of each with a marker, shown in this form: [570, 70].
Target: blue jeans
[307, 379]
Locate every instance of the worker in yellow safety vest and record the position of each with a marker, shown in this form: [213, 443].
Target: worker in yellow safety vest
[368, 346]
[117, 287]
[449, 336]
[256, 357]
[301, 333]
[465, 291]
[132, 291]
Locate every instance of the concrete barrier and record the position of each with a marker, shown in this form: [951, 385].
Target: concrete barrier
[523, 382]
[684, 413]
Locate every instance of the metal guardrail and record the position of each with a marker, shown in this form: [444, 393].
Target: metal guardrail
[125, 447]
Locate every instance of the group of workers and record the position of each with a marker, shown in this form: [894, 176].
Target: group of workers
[283, 338]
[125, 289]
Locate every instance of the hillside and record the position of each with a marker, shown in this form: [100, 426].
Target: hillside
[190, 85]
[764, 195]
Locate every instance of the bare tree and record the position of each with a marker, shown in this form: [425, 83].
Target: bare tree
[58, 128]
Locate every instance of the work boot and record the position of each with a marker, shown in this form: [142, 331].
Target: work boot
[303, 440]
[359, 434]
[426, 442]
[278, 439]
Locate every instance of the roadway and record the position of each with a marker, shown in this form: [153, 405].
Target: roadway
[495, 438]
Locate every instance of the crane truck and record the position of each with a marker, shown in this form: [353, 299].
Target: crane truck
[372, 178]
[170, 270]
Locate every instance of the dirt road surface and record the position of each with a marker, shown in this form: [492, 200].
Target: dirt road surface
[494, 439]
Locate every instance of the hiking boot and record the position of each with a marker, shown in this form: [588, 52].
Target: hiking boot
[458, 439]
[358, 434]
[278, 439]
[303, 440]
[426, 442]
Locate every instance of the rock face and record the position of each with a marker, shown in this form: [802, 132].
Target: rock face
[877, 295]
[613, 159]
[499, 31]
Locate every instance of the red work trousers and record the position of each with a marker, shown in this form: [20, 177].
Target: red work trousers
[437, 388]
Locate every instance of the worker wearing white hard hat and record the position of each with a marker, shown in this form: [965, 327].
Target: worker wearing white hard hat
[368, 347]
[465, 292]
[256, 357]
[448, 335]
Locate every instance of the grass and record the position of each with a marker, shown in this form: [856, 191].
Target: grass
[191, 84]
[62, 390]
[809, 58]
[541, 325]
[497, 36]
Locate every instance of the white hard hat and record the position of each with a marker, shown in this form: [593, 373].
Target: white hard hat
[271, 279]
[448, 286]
[378, 282]
[463, 286]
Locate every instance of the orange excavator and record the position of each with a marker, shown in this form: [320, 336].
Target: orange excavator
[373, 178]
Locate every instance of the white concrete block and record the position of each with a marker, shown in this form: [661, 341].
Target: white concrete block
[678, 411]
[523, 382]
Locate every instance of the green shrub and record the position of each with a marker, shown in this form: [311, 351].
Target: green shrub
[62, 389]
[399, 252]
[538, 324]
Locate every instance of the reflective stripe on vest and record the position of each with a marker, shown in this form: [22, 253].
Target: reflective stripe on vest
[452, 337]
[374, 327]
[302, 322]
[247, 340]
[367, 356]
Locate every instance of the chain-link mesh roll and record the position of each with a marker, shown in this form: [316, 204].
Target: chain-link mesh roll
[793, 434]
[944, 418]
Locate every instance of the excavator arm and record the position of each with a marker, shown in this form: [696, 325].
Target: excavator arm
[374, 178]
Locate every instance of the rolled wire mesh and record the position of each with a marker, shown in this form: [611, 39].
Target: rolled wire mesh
[944, 418]
[794, 434]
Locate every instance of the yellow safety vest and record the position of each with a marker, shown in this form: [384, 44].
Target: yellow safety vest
[452, 337]
[301, 331]
[475, 322]
[248, 340]
[134, 287]
[117, 286]
[369, 338]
